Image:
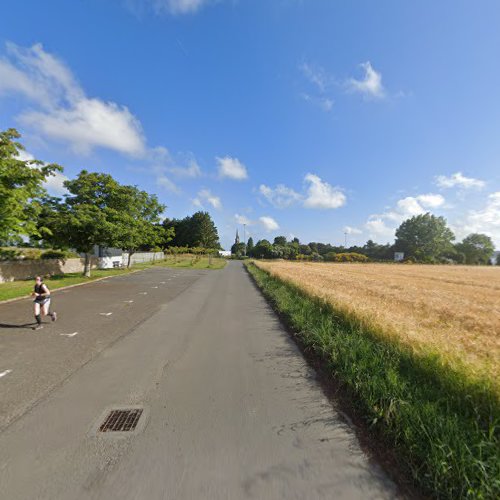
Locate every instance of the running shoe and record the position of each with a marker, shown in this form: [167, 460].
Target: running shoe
[54, 316]
[38, 327]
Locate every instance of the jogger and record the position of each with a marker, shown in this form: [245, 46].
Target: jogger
[41, 304]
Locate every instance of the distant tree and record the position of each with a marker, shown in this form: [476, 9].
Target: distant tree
[477, 248]
[498, 259]
[280, 240]
[238, 249]
[197, 230]
[21, 189]
[424, 237]
[263, 250]
[250, 246]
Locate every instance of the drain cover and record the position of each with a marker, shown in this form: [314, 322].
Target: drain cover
[121, 420]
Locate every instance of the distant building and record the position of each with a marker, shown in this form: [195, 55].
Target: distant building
[237, 239]
[399, 256]
[225, 253]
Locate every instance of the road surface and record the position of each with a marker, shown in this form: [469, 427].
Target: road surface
[230, 408]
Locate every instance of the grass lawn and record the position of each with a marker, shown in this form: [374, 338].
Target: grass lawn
[15, 289]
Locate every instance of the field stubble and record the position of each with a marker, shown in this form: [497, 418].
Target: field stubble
[453, 311]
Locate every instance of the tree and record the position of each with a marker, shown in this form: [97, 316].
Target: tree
[424, 237]
[263, 250]
[134, 215]
[477, 248]
[197, 230]
[238, 249]
[280, 240]
[250, 246]
[98, 211]
[21, 189]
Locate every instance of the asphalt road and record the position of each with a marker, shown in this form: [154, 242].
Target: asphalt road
[230, 408]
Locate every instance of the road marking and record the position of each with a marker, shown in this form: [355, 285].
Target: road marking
[69, 334]
[6, 372]
[128, 301]
[143, 293]
[154, 287]
[105, 314]
[163, 282]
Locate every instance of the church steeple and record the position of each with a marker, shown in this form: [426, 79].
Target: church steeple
[237, 239]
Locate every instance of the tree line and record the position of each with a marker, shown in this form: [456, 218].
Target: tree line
[423, 238]
[96, 211]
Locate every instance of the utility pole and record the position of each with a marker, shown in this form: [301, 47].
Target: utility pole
[345, 239]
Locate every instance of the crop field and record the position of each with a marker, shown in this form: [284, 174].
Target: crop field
[450, 310]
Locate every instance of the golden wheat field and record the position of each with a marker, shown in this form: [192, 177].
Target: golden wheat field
[452, 310]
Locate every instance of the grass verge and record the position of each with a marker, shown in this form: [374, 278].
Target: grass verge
[16, 289]
[444, 426]
[193, 262]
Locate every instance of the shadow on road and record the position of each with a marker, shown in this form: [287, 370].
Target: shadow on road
[24, 325]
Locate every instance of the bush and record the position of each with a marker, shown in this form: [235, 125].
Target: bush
[350, 257]
[54, 254]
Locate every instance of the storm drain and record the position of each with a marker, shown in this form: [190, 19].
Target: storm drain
[121, 420]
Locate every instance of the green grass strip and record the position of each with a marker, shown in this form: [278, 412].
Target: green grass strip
[22, 288]
[444, 426]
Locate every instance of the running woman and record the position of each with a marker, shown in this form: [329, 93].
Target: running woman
[41, 302]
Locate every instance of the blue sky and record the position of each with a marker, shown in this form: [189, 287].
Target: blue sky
[303, 118]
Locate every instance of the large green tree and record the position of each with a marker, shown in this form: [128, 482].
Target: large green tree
[98, 210]
[21, 189]
[477, 248]
[424, 237]
[197, 230]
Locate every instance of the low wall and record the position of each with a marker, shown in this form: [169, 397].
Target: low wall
[11, 270]
[139, 257]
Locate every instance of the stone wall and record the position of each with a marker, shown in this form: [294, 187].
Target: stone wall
[11, 270]
[139, 257]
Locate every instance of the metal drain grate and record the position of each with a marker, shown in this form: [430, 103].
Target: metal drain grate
[121, 421]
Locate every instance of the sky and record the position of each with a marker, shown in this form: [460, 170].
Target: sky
[329, 121]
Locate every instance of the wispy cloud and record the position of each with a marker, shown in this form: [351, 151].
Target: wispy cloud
[321, 81]
[281, 196]
[269, 223]
[459, 180]
[352, 230]
[242, 219]
[64, 112]
[231, 168]
[172, 7]
[485, 220]
[206, 196]
[370, 85]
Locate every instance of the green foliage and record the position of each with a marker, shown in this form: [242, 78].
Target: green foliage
[444, 426]
[425, 237]
[197, 230]
[21, 189]
[238, 249]
[346, 257]
[54, 254]
[477, 248]
[250, 245]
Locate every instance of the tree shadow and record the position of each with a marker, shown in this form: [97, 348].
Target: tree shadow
[9, 325]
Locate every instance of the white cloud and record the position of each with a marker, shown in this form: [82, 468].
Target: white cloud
[322, 195]
[269, 223]
[191, 171]
[384, 225]
[352, 230]
[54, 184]
[459, 180]
[231, 168]
[164, 182]
[64, 111]
[281, 196]
[175, 7]
[485, 220]
[325, 103]
[370, 85]
[242, 219]
[206, 196]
